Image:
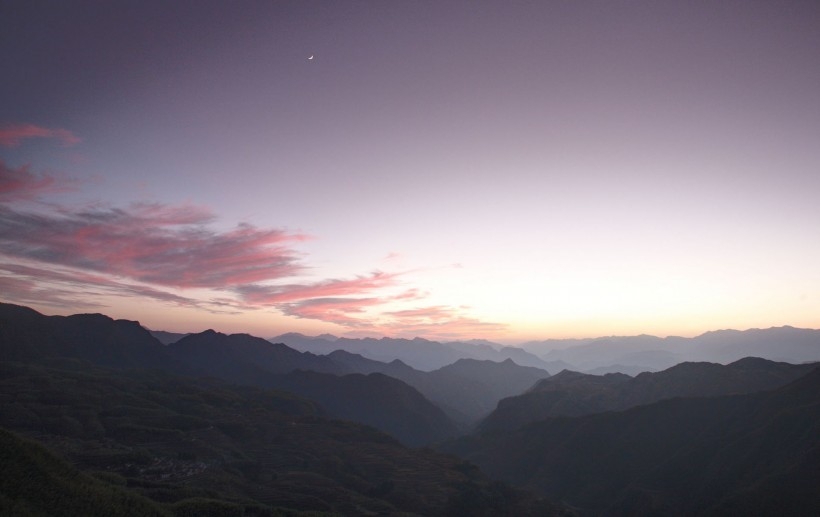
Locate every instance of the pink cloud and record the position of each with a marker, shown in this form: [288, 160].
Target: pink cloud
[434, 313]
[71, 288]
[341, 311]
[411, 294]
[157, 244]
[22, 184]
[13, 135]
[30, 291]
[258, 294]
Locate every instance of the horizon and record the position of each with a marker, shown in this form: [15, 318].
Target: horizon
[450, 171]
[465, 341]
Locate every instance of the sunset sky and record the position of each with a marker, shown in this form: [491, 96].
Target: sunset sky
[450, 170]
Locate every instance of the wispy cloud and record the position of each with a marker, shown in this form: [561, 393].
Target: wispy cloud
[156, 244]
[13, 135]
[347, 312]
[261, 294]
[21, 184]
[69, 288]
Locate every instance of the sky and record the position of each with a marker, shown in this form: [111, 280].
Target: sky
[504, 170]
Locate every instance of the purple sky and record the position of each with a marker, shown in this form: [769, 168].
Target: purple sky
[507, 170]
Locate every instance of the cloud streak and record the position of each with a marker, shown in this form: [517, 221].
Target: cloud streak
[157, 244]
[13, 135]
[70, 288]
[267, 295]
[20, 184]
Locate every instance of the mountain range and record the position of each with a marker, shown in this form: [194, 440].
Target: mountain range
[194, 428]
[575, 394]
[651, 353]
[216, 424]
[421, 354]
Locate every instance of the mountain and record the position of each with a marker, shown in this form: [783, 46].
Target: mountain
[488, 351]
[385, 403]
[754, 454]
[166, 338]
[244, 358]
[27, 335]
[564, 394]
[206, 447]
[474, 387]
[787, 344]
[646, 352]
[650, 353]
[466, 390]
[421, 354]
[576, 394]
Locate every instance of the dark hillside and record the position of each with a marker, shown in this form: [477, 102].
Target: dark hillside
[205, 444]
[576, 394]
[681, 456]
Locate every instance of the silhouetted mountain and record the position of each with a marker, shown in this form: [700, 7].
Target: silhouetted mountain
[384, 402]
[646, 352]
[755, 454]
[27, 335]
[565, 394]
[389, 405]
[204, 447]
[244, 358]
[575, 394]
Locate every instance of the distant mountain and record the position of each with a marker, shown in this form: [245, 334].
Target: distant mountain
[787, 344]
[475, 387]
[576, 394]
[419, 353]
[650, 353]
[631, 369]
[646, 352]
[466, 390]
[754, 454]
